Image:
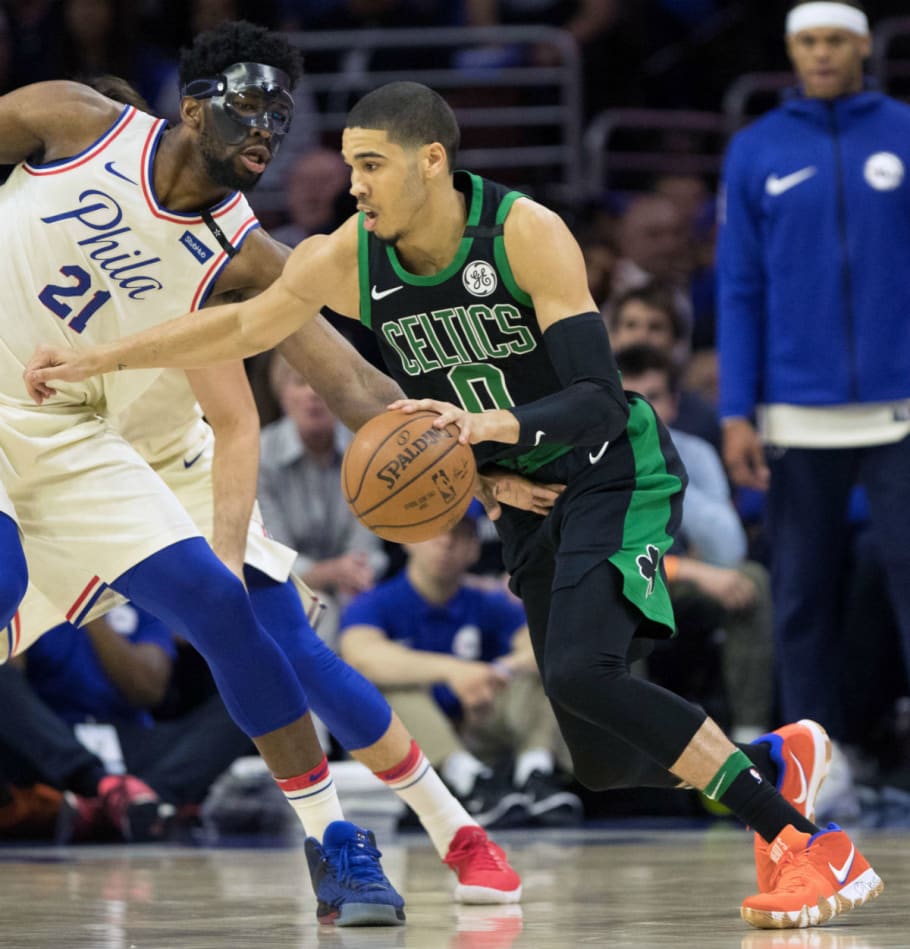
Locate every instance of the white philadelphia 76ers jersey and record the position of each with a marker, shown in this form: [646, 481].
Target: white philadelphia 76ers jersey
[91, 255]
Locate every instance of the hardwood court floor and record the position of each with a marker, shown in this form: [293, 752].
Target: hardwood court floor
[615, 888]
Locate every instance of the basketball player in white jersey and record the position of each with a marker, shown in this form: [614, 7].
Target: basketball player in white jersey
[113, 222]
[118, 529]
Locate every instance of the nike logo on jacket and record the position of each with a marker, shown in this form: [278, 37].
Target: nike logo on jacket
[776, 186]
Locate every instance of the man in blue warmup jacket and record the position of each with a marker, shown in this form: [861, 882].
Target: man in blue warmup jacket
[814, 338]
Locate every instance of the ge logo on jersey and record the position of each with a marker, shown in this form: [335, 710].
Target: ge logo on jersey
[884, 171]
[479, 278]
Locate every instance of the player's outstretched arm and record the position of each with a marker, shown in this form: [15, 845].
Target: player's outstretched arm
[353, 389]
[213, 335]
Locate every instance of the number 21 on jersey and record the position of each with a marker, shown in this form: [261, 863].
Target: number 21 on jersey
[53, 296]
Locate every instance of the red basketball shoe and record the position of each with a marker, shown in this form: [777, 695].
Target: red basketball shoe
[484, 874]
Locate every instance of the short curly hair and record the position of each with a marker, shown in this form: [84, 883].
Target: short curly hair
[238, 41]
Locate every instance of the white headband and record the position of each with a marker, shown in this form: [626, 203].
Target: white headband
[810, 16]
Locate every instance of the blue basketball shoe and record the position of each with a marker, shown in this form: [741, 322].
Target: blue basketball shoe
[351, 888]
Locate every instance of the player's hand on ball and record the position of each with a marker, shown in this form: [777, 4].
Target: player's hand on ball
[495, 425]
[58, 365]
[503, 487]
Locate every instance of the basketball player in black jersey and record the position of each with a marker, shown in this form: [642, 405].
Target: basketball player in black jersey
[479, 300]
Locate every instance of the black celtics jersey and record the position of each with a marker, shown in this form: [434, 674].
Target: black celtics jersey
[468, 334]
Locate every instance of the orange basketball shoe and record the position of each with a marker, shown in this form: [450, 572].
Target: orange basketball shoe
[815, 878]
[484, 874]
[802, 753]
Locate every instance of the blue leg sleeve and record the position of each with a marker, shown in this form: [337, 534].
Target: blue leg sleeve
[13, 572]
[352, 708]
[187, 587]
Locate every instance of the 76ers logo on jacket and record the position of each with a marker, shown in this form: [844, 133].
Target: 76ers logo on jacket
[884, 171]
[479, 278]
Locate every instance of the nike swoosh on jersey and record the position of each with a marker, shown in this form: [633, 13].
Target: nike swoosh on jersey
[595, 458]
[192, 461]
[776, 186]
[117, 174]
[841, 873]
[803, 785]
[540, 435]
[382, 294]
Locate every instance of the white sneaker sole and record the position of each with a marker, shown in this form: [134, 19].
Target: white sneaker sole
[867, 886]
[485, 894]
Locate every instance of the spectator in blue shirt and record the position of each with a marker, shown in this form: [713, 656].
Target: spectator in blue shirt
[454, 660]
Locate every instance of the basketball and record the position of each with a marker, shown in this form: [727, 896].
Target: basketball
[406, 480]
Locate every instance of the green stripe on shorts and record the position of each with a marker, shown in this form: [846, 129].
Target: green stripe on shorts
[645, 539]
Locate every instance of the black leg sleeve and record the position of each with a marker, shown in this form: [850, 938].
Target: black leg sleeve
[601, 757]
[587, 675]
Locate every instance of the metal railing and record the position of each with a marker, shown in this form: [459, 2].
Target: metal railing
[536, 134]
[689, 143]
[753, 93]
[524, 123]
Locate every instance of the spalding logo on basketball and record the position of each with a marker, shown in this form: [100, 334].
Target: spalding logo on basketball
[407, 480]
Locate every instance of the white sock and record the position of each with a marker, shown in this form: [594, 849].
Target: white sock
[314, 799]
[421, 788]
[461, 769]
[534, 759]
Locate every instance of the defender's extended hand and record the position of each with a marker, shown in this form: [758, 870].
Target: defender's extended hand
[495, 425]
[49, 364]
[504, 487]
